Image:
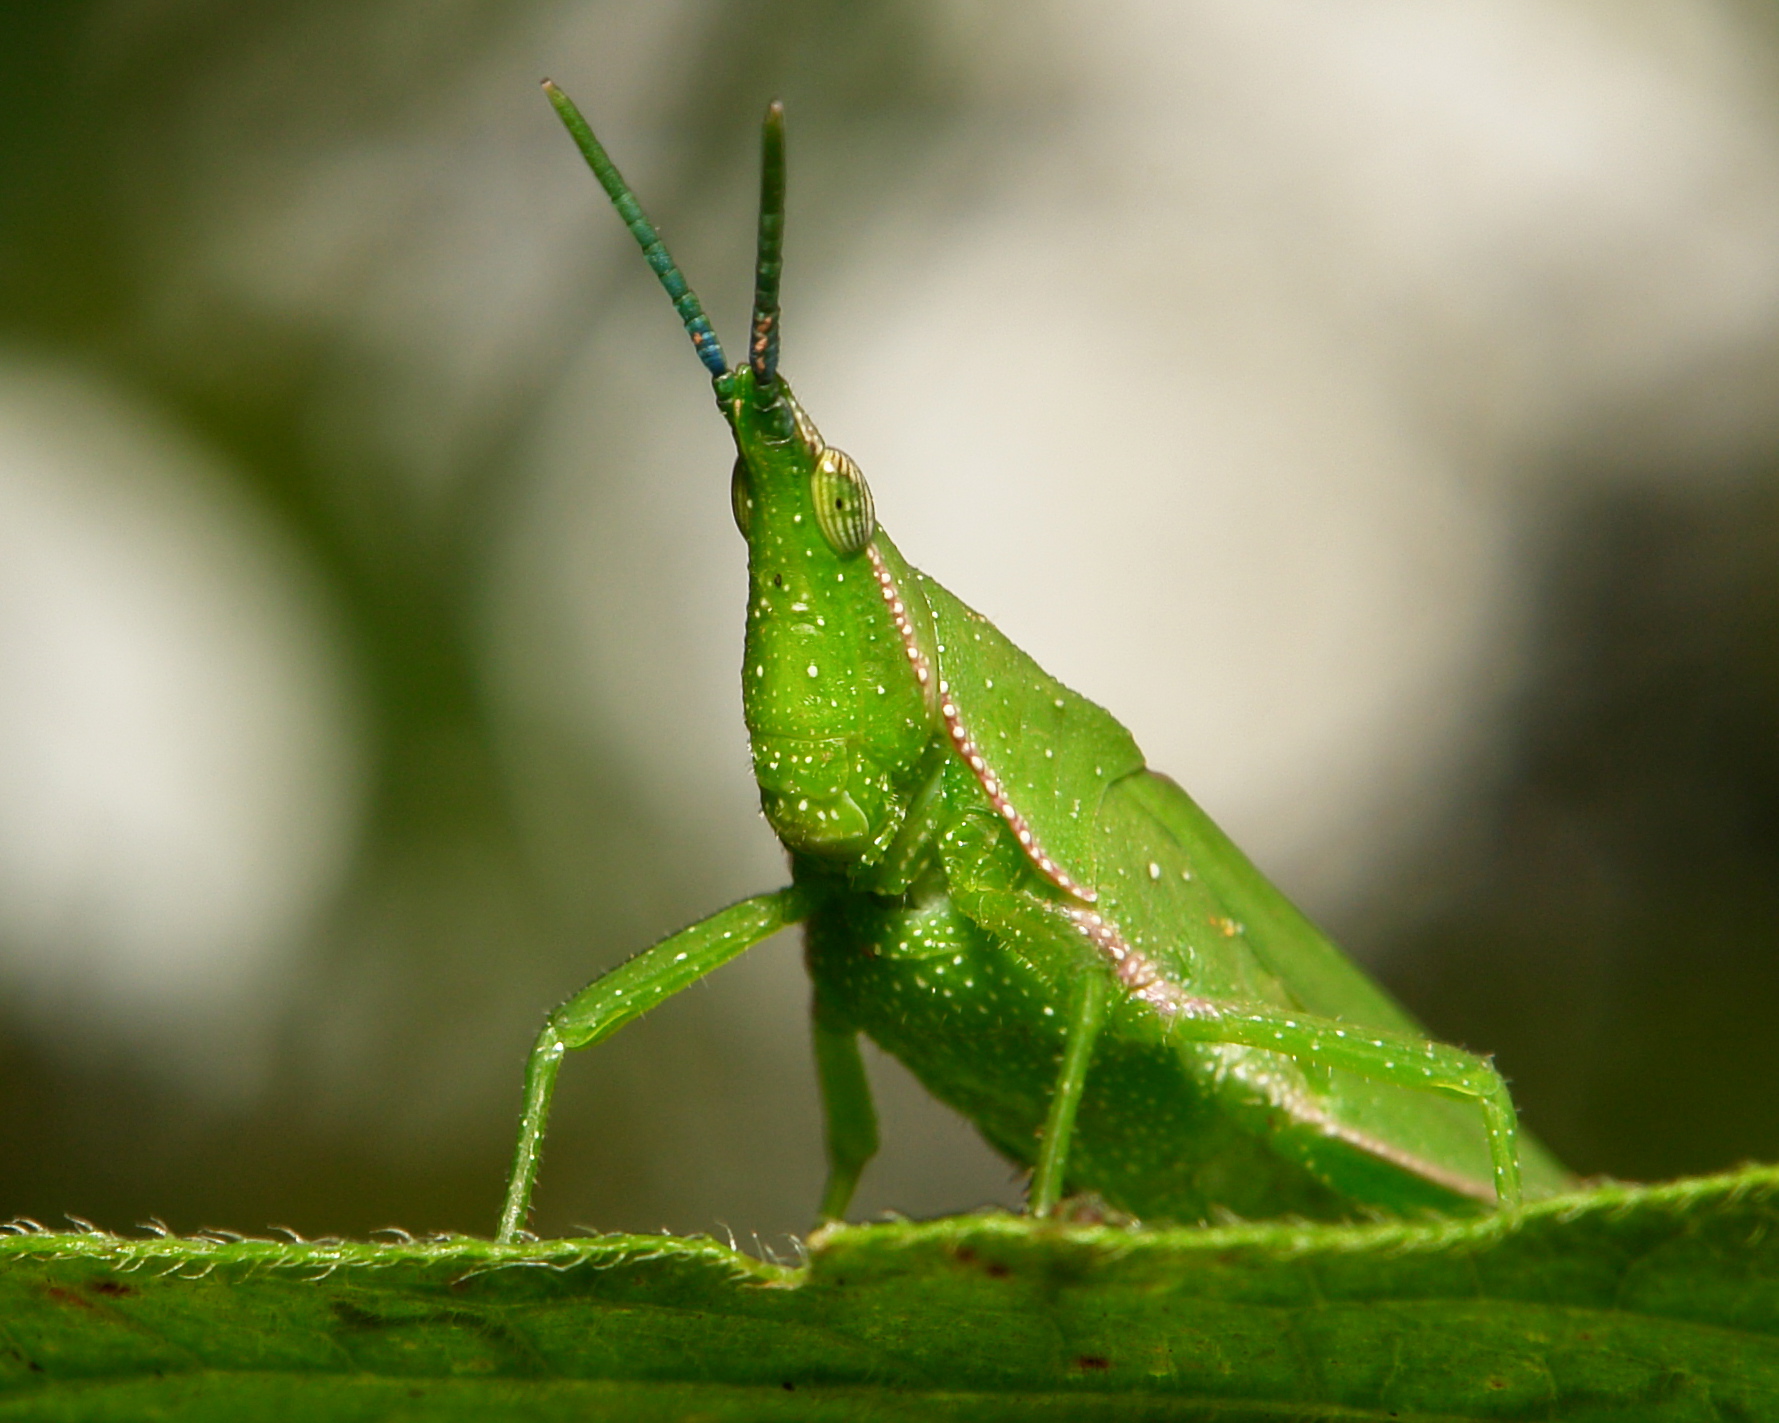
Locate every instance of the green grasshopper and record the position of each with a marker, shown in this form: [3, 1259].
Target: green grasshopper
[1055, 939]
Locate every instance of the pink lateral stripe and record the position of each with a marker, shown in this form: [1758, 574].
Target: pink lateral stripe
[963, 744]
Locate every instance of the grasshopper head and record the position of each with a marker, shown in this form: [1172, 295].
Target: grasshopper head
[838, 722]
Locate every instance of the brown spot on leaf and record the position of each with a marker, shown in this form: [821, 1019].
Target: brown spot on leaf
[1093, 1363]
[994, 1269]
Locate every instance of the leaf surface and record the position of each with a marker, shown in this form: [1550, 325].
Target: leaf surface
[1616, 1303]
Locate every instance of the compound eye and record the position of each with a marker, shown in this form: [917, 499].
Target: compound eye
[843, 508]
[741, 497]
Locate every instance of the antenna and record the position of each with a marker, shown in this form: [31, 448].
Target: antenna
[685, 300]
[762, 350]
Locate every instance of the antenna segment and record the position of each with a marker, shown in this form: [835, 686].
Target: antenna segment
[685, 300]
[762, 351]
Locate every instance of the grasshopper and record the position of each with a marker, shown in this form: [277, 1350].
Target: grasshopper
[997, 890]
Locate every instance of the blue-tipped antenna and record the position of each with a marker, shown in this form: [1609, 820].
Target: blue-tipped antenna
[685, 300]
[762, 350]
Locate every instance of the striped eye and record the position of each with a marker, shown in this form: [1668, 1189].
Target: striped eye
[741, 497]
[842, 502]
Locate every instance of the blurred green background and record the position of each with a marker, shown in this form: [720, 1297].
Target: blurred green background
[1373, 407]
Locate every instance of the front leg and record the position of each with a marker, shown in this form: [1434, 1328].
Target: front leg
[627, 992]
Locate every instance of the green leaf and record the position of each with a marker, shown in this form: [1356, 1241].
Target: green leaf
[1617, 1303]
